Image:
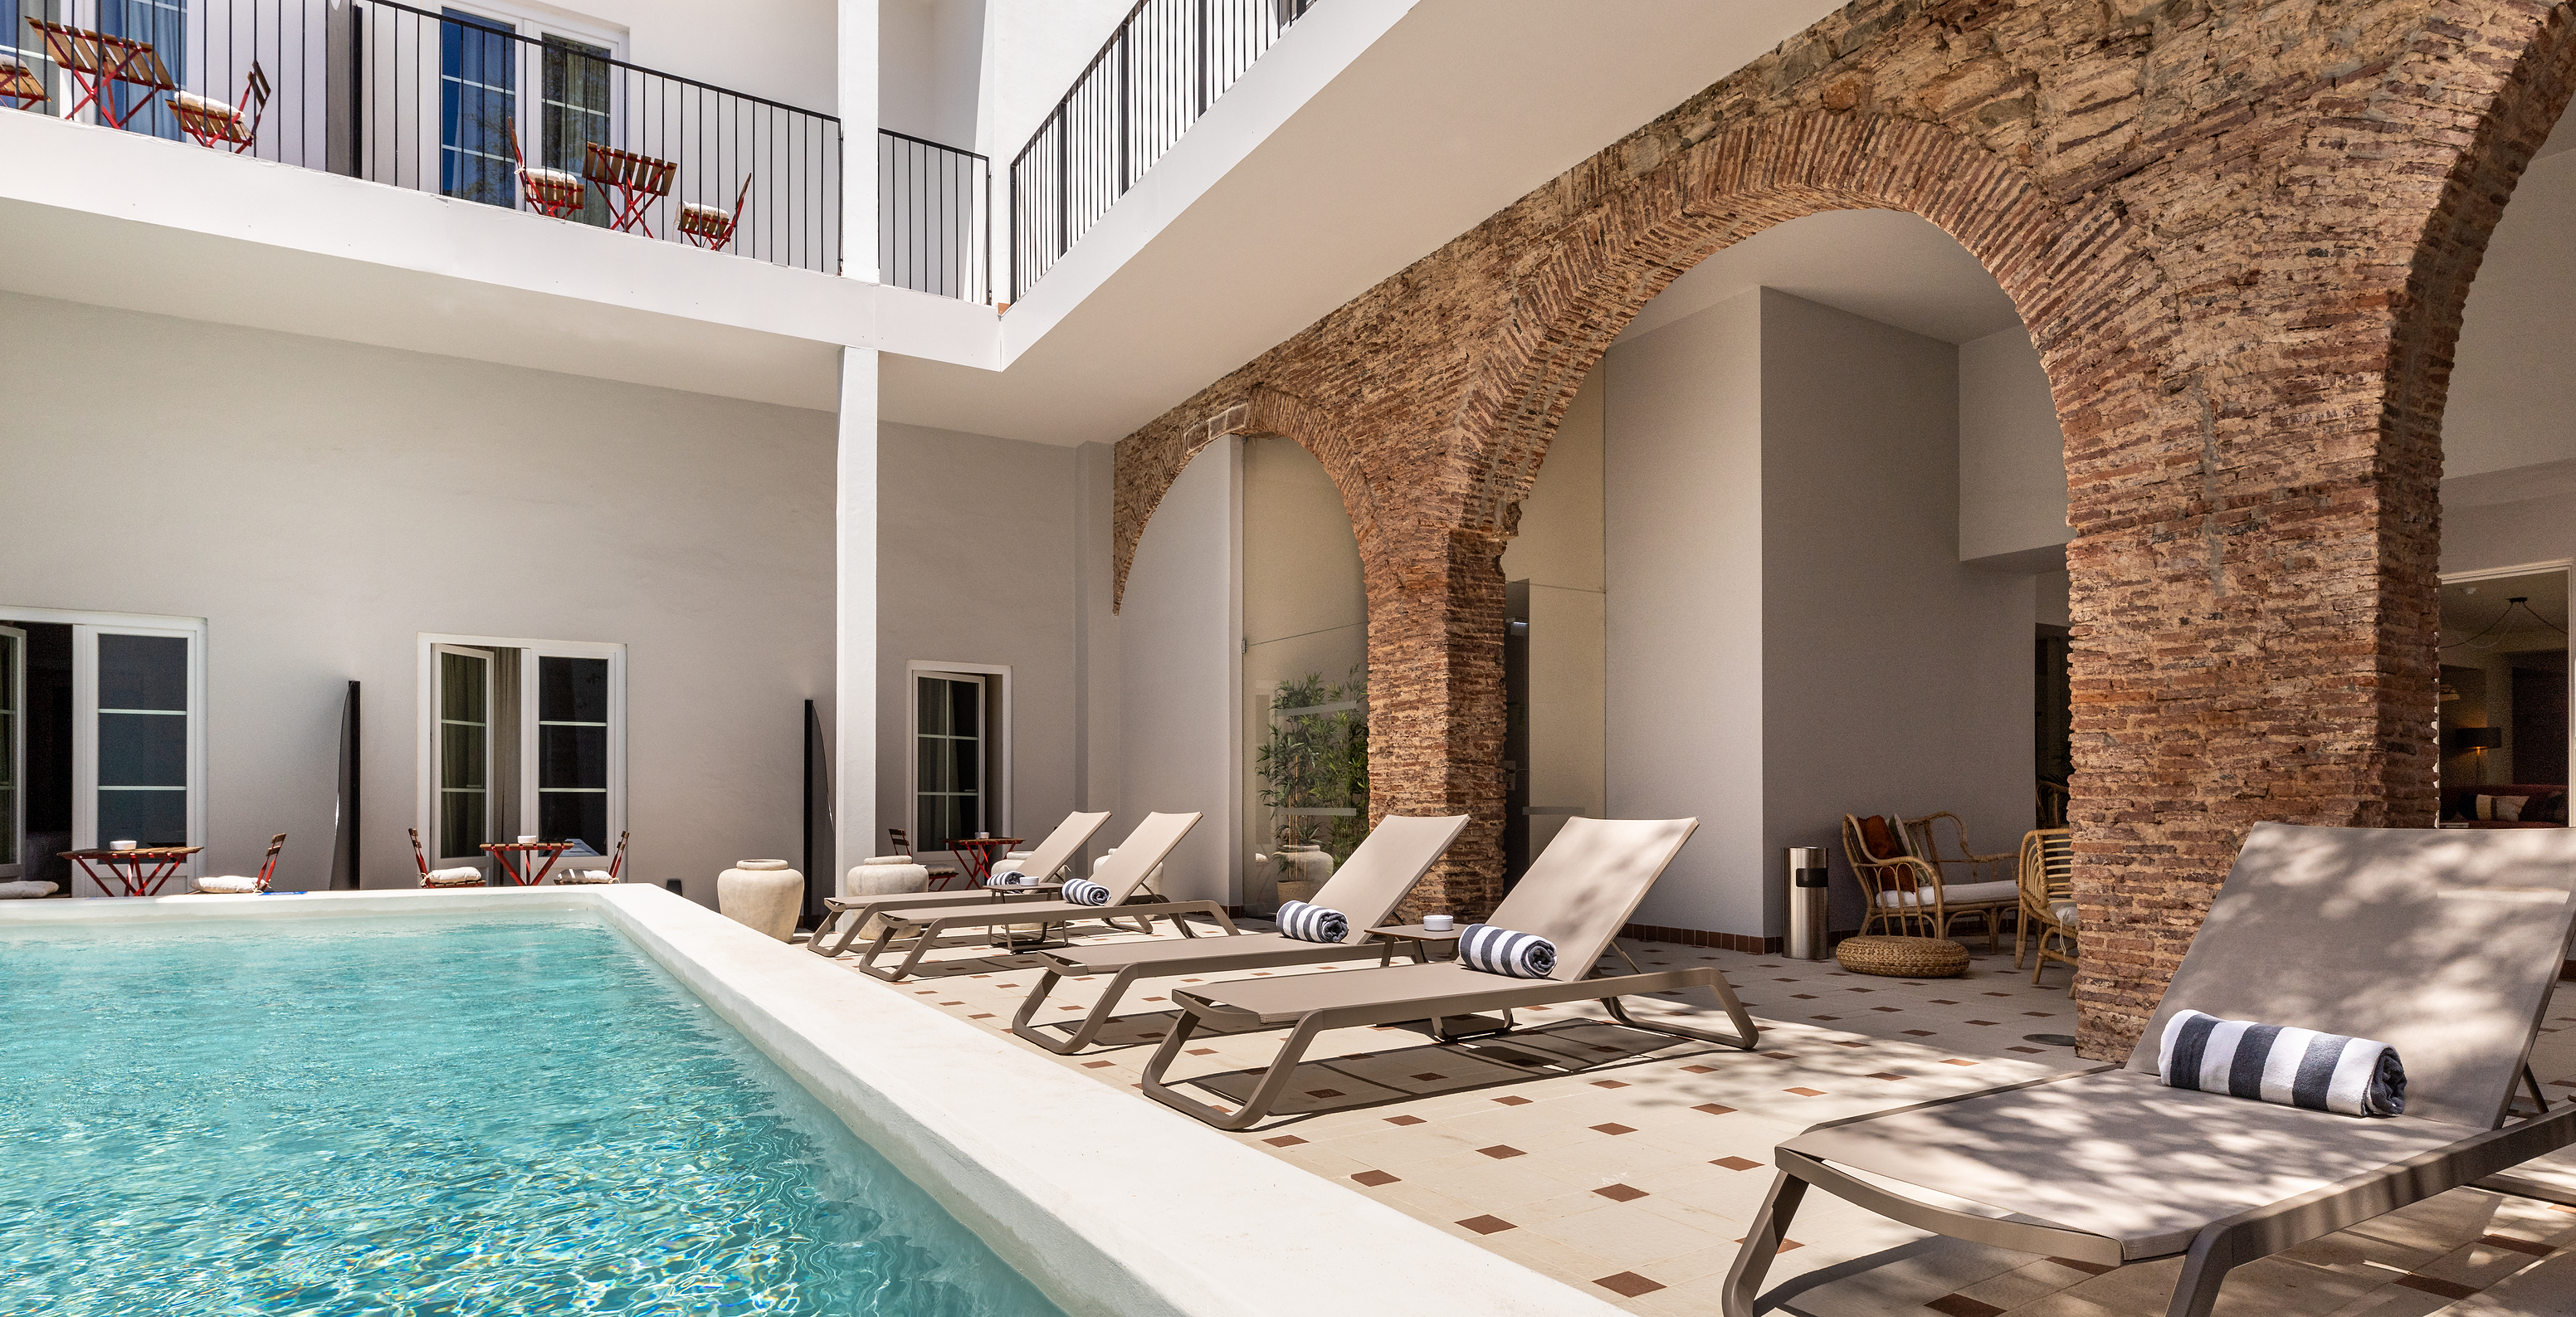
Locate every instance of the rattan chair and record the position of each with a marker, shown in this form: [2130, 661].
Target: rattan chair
[1971, 883]
[2047, 901]
[1893, 883]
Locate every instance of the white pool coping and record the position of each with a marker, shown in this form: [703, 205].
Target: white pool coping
[1113, 1205]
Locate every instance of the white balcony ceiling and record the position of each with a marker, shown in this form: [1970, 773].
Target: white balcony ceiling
[1459, 108]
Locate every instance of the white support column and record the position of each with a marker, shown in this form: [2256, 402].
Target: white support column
[857, 107]
[854, 732]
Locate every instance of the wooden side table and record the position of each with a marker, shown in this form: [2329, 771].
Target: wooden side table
[513, 857]
[978, 854]
[127, 866]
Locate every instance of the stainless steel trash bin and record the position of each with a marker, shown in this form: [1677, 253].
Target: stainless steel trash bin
[1806, 872]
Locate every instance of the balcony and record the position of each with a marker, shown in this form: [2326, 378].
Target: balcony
[465, 107]
[1161, 70]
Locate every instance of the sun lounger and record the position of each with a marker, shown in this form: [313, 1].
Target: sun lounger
[1121, 873]
[1365, 889]
[2441, 944]
[1578, 895]
[1059, 849]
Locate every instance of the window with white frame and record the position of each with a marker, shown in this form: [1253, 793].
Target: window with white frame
[960, 768]
[525, 738]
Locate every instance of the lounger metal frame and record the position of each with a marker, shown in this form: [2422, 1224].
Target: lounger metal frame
[925, 928]
[1506, 994]
[2218, 1248]
[1268, 953]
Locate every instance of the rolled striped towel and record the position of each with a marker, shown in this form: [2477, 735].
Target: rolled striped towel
[1083, 891]
[1312, 923]
[1009, 878]
[1502, 951]
[2278, 1063]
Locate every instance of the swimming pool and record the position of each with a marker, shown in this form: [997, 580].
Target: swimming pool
[477, 1113]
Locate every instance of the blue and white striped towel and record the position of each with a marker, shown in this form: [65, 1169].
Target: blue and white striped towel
[1312, 923]
[1009, 878]
[2276, 1063]
[1083, 891]
[1502, 951]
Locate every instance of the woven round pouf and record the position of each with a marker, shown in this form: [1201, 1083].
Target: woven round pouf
[1902, 957]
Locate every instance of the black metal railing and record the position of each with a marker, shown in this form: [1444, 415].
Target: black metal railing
[463, 106]
[934, 217]
[1162, 69]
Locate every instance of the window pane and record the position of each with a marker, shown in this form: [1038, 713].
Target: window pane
[142, 750]
[460, 757]
[572, 757]
[564, 815]
[152, 818]
[142, 672]
[460, 695]
[572, 690]
[969, 767]
[934, 706]
[965, 704]
[460, 824]
[477, 100]
[929, 765]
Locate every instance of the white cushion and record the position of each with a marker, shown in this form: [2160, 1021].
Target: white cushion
[1956, 894]
[461, 877]
[583, 876]
[205, 105]
[557, 177]
[227, 882]
[23, 891]
[2063, 912]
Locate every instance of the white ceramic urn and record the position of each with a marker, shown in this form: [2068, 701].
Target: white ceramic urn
[1303, 870]
[883, 875]
[762, 894]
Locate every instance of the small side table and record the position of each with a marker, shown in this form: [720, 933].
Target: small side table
[1421, 938]
[127, 866]
[978, 854]
[513, 857]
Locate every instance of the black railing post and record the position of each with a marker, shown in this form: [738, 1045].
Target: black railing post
[1126, 99]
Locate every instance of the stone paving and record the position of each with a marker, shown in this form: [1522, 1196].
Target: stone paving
[1625, 1163]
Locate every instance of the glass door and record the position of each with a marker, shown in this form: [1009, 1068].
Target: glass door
[162, 25]
[462, 749]
[478, 106]
[948, 784]
[573, 113]
[138, 738]
[13, 753]
[572, 750]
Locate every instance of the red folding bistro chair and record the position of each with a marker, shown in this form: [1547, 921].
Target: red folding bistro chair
[546, 191]
[632, 183]
[98, 62]
[213, 123]
[19, 85]
[241, 885]
[709, 227]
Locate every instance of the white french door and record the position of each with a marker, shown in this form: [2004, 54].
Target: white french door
[461, 754]
[138, 738]
[13, 753]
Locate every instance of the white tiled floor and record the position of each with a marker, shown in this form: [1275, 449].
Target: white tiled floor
[1626, 1163]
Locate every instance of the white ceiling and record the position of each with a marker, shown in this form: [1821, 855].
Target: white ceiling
[1461, 108]
[1891, 266]
[2470, 607]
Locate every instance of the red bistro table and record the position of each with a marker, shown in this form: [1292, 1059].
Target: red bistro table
[127, 867]
[978, 854]
[503, 853]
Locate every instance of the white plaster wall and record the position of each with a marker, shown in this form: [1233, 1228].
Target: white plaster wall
[1033, 50]
[1681, 479]
[930, 61]
[1099, 755]
[1180, 636]
[322, 504]
[976, 566]
[1305, 612]
[782, 50]
[1558, 551]
[2513, 397]
[2012, 455]
[1894, 677]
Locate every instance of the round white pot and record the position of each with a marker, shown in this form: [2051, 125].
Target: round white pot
[885, 875]
[1303, 867]
[762, 894]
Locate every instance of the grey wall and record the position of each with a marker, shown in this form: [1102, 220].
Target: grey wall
[1180, 640]
[2012, 455]
[1894, 677]
[976, 565]
[323, 504]
[1791, 633]
[1558, 552]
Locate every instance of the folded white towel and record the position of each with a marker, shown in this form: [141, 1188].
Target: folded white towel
[22, 891]
[460, 877]
[228, 882]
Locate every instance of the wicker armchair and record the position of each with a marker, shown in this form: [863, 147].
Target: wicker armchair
[2047, 901]
[1902, 892]
[1971, 883]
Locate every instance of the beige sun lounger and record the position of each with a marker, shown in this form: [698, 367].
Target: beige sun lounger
[1365, 889]
[1578, 895]
[2442, 944]
[1059, 849]
[1121, 873]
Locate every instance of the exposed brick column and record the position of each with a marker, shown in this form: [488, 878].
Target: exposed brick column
[1436, 705]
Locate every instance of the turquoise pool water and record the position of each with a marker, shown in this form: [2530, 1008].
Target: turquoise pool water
[430, 1116]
